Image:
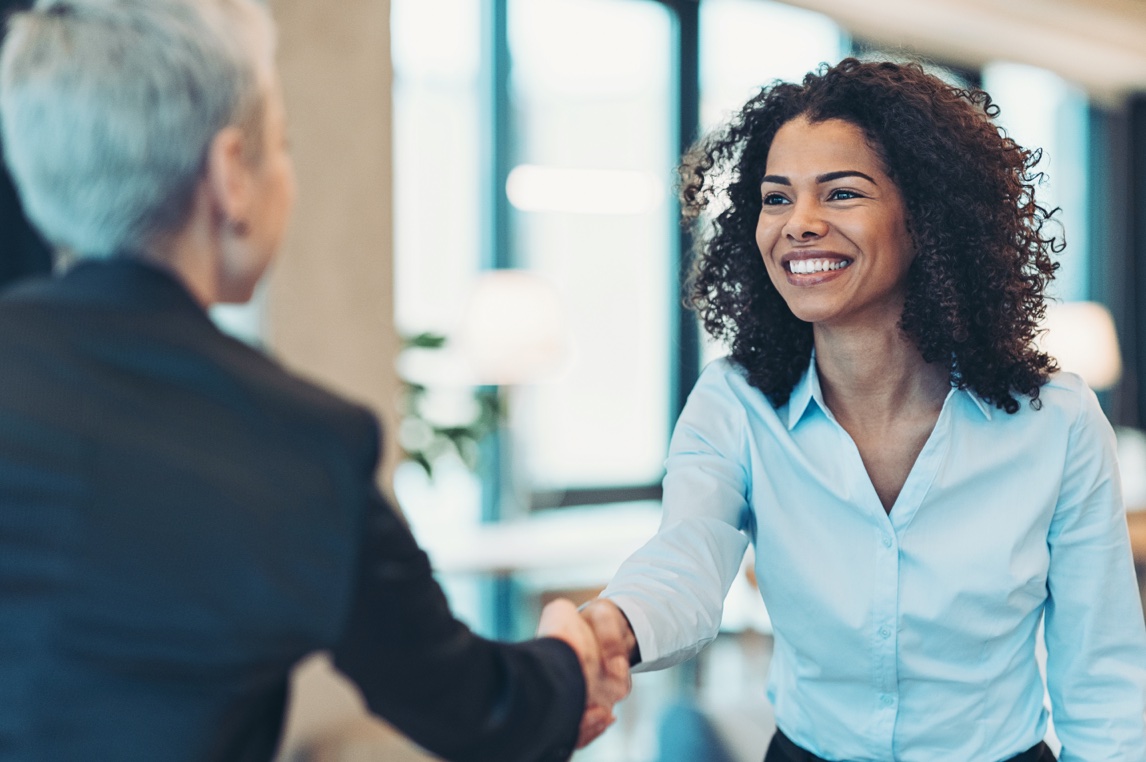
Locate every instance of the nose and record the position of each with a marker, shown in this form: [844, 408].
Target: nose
[806, 222]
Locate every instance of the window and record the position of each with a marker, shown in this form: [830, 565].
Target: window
[594, 142]
[438, 150]
[746, 44]
[544, 134]
[1041, 110]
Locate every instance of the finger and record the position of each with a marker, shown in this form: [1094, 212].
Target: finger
[590, 734]
[616, 681]
[596, 721]
[617, 665]
[560, 619]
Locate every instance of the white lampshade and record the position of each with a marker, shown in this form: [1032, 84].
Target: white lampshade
[1081, 336]
[513, 328]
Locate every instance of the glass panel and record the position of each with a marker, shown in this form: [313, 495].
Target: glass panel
[437, 154]
[436, 49]
[746, 44]
[594, 111]
[1041, 110]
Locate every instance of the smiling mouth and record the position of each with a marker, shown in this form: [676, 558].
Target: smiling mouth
[811, 266]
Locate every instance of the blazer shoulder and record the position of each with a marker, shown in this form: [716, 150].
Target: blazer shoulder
[287, 395]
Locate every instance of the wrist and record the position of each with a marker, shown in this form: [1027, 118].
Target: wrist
[606, 616]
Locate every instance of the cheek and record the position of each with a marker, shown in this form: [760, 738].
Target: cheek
[766, 237]
[904, 248]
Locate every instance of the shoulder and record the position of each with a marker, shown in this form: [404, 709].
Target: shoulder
[1068, 413]
[298, 404]
[1065, 386]
[724, 385]
[721, 404]
[725, 378]
[121, 324]
[1066, 397]
[1062, 399]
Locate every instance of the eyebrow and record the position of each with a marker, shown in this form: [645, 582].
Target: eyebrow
[827, 177]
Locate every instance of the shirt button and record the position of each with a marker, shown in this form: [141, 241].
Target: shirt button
[888, 700]
[884, 632]
[886, 541]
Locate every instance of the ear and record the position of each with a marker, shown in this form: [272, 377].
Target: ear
[229, 176]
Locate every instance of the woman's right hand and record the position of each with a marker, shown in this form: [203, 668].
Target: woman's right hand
[613, 631]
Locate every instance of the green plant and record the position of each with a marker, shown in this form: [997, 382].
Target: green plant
[425, 440]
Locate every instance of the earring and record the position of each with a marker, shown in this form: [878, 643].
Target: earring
[239, 228]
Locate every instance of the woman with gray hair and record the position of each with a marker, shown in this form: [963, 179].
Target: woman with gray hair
[181, 520]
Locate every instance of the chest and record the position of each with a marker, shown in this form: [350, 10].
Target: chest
[889, 454]
[968, 533]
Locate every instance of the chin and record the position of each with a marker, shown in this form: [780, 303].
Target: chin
[238, 293]
[237, 299]
[239, 284]
[811, 313]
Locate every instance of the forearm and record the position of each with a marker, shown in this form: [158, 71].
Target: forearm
[672, 590]
[456, 694]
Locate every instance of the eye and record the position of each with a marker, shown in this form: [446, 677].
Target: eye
[843, 194]
[774, 199]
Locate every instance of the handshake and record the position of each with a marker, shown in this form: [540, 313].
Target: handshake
[604, 641]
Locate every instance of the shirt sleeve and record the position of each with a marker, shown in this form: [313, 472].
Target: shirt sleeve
[458, 695]
[672, 590]
[1095, 636]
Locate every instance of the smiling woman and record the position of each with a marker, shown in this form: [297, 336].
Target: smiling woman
[922, 488]
[972, 301]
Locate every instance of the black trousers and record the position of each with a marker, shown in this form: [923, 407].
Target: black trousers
[783, 750]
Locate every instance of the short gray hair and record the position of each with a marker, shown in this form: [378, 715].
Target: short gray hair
[108, 108]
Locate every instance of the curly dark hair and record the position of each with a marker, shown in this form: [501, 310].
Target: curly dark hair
[975, 291]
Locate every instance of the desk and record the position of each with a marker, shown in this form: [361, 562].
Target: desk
[559, 540]
[567, 549]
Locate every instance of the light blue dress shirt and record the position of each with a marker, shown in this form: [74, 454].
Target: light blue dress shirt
[907, 636]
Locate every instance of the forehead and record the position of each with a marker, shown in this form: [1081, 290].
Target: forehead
[805, 147]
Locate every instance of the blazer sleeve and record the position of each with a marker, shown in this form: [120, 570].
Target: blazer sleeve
[456, 694]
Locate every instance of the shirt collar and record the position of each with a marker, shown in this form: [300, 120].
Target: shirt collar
[984, 408]
[805, 390]
[808, 389]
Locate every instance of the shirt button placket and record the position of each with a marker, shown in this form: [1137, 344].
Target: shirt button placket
[886, 618]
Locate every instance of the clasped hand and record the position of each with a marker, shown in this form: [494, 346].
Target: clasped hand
[601, 636]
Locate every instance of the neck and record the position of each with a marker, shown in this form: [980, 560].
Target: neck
[192, 256]
[876, 375]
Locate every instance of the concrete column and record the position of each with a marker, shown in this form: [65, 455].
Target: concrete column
[330, 301]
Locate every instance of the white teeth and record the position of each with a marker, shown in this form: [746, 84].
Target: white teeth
[806, 266]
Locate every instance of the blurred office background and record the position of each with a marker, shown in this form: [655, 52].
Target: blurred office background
[486, 251]
[539, 137]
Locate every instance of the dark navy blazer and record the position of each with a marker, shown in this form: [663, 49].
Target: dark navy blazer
[181, 521]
